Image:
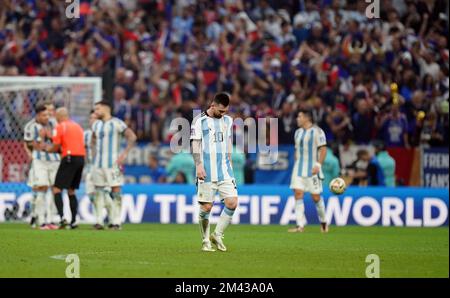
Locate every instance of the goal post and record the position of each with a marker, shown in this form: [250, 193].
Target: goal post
[19, 96]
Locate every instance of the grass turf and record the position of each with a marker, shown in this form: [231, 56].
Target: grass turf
[156, 250]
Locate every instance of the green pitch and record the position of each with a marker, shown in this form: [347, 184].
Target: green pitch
[156, 250]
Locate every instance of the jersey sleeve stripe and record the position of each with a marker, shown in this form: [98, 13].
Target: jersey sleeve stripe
[206, 153]
[310, 153]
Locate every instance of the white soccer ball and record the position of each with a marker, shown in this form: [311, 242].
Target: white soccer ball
[337, 186]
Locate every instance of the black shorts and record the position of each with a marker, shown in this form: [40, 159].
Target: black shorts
[70, 172]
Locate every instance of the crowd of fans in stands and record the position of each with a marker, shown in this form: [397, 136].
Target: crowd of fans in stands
[169, 57]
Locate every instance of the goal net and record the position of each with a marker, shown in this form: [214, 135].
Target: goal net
[18, 99]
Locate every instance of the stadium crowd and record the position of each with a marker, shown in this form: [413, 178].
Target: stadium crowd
[365, 78]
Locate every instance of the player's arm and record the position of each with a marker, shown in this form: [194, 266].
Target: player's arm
[55, 146]
[28, 146]
[321, 152]
[196, 154]
[230, 145]
[131, 138]
[196, 147]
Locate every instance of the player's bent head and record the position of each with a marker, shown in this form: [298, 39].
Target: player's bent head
[220, 104]
[42, 115]
[222, 98]
[102, 107]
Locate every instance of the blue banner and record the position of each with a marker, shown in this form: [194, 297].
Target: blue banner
[265, 204]
[435, 167]
[277, 173]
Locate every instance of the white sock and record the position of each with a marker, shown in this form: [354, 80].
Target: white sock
[109, 205]
[300, 212]
[33, 205]
[50, 207]
[99, 204]
[40, 207]
[320, 207]
[224, 221]
[203, 221]
[117, 210]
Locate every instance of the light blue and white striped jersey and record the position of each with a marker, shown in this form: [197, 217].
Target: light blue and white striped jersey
[216, 136]
[88, 146]
[31, 133]
[108, 135]
[307, 143]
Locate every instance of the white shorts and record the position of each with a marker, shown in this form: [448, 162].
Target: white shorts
[312, 184]
[89, 183]
[206, 191]
[42, 173]
[110, 177]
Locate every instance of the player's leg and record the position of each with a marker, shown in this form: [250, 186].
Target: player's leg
[316, 191]
[40, 206]
[30, 183]
[298, 186]
[52, 168]
[116, 195]
[205, 198]
[96, 198]
[40, 182]
[99, 206]
[64, 177]
[300, 218]
[228, 194]
[77, 168]
[115, 180]
[53, 210]
[102, 198]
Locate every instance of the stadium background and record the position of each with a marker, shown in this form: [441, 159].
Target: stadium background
[366, 79]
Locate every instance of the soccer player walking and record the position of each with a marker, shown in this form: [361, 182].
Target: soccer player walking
[107, 134]
[211, 139]
[310, 152]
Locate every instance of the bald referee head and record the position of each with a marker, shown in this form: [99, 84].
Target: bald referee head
[62, 114]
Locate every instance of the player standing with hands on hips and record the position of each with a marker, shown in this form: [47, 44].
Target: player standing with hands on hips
[211, 140]
[307, 176]
[107, 134]
[68, 138]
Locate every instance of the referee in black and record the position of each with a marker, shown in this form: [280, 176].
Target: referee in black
[68, 139]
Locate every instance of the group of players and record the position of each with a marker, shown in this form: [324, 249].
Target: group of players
[54, 167]
[211, 144]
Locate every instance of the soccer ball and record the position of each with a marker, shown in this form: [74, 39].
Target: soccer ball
[337, 185]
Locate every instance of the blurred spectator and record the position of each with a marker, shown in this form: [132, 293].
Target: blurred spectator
[363, 123]
[155, 171]
[358, 169]
[374, 172]
[387, 164]
[238, 158]
[394, 128]
[331, 167]
[286, 124]
[180, 178]
[162, 59]
[181, 163]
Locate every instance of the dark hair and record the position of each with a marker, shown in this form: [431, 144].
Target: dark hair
[307, 112]
[104, 103]
[91, 112]
[41, 108]
[222, 98]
